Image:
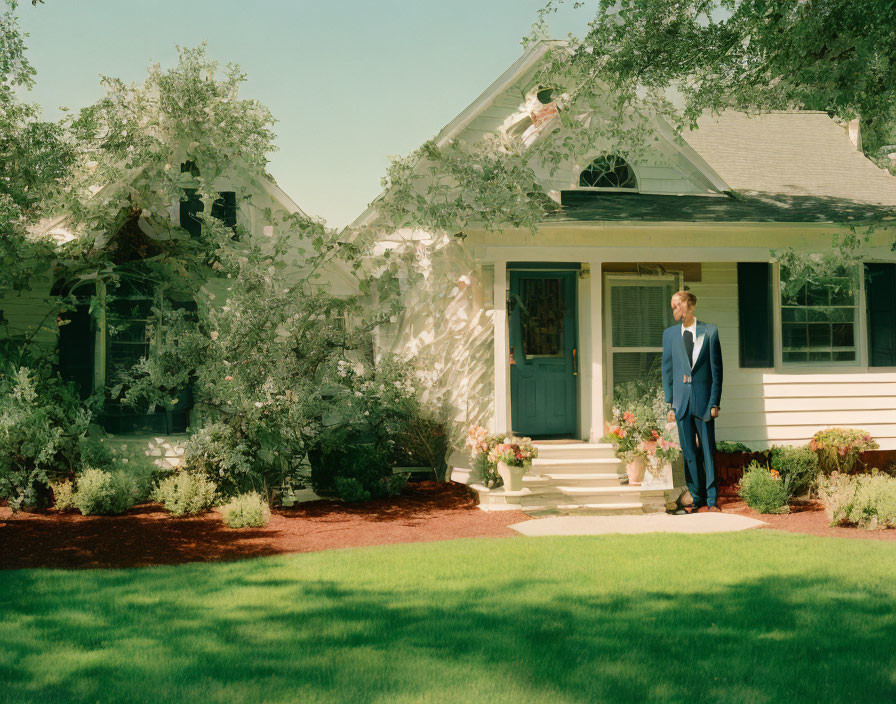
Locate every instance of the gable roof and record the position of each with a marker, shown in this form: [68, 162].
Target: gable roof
[798, 153]
[796, 166]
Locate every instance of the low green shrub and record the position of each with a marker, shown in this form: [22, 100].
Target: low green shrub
[246, 511]
[731, 447]
[797, 467]
[763, 489]
[838, 448]
[350, 489]
[867, 500]
[104, 493]
[63, 495]
[186, 493]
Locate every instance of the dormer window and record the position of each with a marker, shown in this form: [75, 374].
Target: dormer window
[608, 171]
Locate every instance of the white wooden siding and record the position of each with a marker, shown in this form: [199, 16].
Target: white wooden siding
[761, 407]
[28, 311]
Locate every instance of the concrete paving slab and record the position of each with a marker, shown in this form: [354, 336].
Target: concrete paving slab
[646, 523]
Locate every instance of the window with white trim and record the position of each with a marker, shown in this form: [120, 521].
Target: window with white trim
[819, 321]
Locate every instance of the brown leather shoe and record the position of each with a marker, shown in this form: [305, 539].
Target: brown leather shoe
[704, 509]
[716, 509]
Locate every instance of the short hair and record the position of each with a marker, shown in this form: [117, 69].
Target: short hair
[686, 296]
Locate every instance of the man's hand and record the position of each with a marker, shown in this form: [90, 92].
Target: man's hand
[714, 411]
[670, 416]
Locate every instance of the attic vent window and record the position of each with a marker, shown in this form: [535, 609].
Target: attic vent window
[609, 171]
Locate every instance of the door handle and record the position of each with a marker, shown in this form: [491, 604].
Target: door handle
[575, 362]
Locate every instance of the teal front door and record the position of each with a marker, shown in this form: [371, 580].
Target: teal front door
[543, 363]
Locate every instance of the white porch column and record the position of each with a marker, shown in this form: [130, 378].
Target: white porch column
[597, 352]
[502, 355]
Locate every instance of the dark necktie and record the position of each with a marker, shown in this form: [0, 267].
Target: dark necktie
[689, 346]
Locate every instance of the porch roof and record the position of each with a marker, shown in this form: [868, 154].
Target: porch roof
[579, 206]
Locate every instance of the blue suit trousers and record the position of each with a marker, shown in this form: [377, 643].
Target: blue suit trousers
[699, 460]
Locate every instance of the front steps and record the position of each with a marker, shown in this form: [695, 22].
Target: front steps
[576, 478]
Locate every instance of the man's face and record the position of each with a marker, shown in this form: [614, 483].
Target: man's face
[680, 307]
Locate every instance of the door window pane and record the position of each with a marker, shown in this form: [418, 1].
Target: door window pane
[542, 317]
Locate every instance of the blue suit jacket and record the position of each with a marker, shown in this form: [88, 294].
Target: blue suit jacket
[705, 388]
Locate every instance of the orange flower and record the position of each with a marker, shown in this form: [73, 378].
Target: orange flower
[775, 473]
[628, 417]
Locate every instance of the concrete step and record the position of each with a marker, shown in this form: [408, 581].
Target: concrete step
[577, 465]
[574, 450]
[584, 478]
[584, 510]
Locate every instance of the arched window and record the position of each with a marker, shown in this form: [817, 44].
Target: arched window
[608, 171]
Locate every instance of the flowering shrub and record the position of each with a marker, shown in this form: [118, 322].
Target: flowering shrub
[763, 489]
[866, 500]
[838, 448]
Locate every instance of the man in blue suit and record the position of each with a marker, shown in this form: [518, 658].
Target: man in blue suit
[692, 381]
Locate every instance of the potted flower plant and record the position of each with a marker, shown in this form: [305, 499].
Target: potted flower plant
[480, 443]
[661, 451]
[627, 437]
[513, 457]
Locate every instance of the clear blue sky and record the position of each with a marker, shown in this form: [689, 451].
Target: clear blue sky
[349, 81]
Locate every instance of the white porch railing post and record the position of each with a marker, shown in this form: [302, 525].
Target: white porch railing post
[597, 352]
[502, 357]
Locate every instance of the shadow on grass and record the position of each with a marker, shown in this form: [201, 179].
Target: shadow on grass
[243, 632]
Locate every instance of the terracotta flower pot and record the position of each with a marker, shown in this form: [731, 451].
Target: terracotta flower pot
[635, 470]
[512, 476]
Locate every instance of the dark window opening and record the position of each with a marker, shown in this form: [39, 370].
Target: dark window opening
[610, 171]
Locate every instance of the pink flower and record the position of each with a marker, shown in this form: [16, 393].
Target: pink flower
[228, 378]
[628, 417]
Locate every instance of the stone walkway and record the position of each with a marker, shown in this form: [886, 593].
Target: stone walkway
[646, 523]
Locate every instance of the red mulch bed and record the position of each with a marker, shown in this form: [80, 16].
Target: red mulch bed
[804, 517]
[426, 511]
[147, 535]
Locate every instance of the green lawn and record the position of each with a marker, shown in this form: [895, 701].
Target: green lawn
[746, 617]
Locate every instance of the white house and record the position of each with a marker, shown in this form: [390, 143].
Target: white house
[87, 351]
[595, 282]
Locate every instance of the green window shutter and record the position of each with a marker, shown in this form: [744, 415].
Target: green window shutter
[189, 207]
[224, 208]
[754, 304]
[880, 294]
